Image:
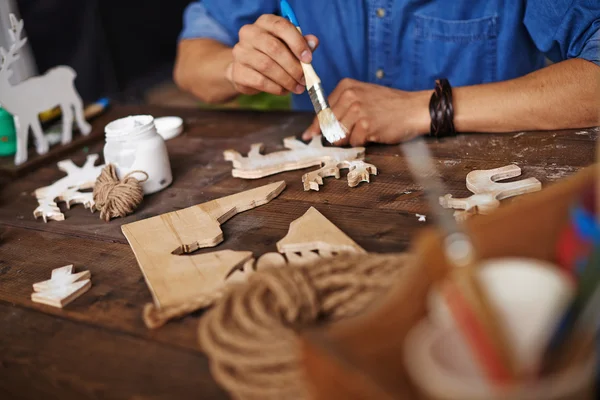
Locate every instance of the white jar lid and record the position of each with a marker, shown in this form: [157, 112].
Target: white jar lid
[168, 127]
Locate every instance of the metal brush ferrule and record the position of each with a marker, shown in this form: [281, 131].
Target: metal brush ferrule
[317, 97]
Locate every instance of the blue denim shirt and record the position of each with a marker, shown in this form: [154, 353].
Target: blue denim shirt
[407, 44]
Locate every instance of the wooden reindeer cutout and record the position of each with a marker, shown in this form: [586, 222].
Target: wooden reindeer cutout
[488, 192]
[301, 155]
[35, 95]
[67, 189]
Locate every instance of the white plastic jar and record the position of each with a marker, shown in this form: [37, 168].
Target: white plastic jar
[133, 144]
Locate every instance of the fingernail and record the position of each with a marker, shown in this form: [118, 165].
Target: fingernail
[312, 44]
[306, 56]
[303, 81]
[299, 89]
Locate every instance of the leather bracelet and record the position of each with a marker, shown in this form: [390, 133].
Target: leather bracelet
[441, 110]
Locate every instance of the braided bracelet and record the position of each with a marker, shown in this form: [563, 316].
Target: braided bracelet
[441, 110]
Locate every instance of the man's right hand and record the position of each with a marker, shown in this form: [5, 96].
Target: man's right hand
[267, 57]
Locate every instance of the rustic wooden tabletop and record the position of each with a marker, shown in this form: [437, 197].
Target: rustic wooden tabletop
[98, 346]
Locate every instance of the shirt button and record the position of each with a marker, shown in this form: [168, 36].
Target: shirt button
[380, 12]
[379, 74]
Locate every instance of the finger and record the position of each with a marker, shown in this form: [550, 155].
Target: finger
[286, 31]
[349, 117]
[275, 49]
[313, 130]
[360, 134]
[346, 90]
[253, 36]
[270, 68]
[245, 77]
[312, 41]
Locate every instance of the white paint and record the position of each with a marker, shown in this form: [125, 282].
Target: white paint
[27, 99]
[133, 144]
[300, 155]
[518, 135]
[68, 189]
[421, 217]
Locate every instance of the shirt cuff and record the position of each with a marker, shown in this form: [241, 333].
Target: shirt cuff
[197, 23]
[591, 50]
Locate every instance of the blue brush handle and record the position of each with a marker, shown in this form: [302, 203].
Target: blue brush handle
[287, 12]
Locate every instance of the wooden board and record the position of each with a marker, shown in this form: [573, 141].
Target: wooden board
[174, 279]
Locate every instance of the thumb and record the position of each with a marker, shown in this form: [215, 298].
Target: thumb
[312, 41]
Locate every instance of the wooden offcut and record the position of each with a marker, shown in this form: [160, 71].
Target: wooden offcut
[176, 278]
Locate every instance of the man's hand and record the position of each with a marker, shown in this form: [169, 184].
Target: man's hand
[373, 113]
[267, 57]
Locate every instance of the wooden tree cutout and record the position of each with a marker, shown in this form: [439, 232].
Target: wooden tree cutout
[62, 288]
[310, 238]
[67, 189]
[487, 192]
[300, 155]
[35, 95]
[314, 232]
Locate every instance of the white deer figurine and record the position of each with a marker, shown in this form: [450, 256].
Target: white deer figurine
[35, 95]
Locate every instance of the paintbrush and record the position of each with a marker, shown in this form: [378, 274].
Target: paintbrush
[330, 126]
[576, 331]
[54, 133]
[475, 316]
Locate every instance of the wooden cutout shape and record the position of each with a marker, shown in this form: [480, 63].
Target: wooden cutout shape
[68, 189]
[177, 280]
[174, 278]
[185, 231]
[487, 192]
[313, 232]
[299, 156]
[183, 284]
[62, 288]
[37, 94]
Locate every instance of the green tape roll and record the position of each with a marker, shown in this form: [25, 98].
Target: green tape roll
[8, 134]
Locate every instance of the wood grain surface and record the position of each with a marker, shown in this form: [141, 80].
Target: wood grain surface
[98, 347]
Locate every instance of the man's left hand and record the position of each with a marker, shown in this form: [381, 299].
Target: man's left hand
[373, 113]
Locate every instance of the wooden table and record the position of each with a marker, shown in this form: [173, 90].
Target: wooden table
[98, 347]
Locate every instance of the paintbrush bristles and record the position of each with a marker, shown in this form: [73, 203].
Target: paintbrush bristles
[331, 128]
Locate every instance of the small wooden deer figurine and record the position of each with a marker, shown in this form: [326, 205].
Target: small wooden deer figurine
[35, 95]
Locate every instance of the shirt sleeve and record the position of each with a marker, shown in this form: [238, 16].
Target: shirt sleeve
[221, 20]
[565, 29]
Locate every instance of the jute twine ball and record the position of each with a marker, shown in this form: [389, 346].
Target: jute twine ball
[116, 197]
